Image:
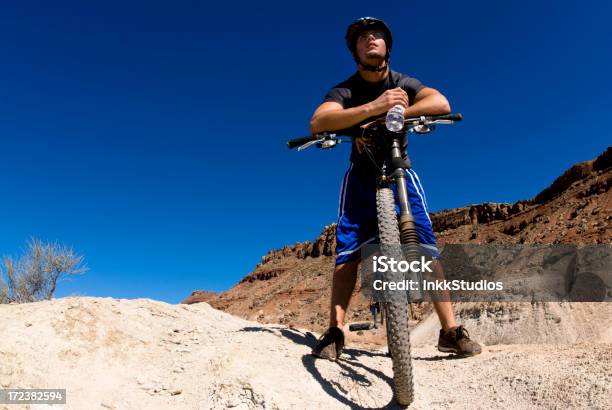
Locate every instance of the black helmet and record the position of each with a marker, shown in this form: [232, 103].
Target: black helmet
[367, 23]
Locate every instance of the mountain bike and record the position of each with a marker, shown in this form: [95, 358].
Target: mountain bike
[385, 154]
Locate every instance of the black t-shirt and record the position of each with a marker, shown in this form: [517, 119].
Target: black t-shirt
[356, 91]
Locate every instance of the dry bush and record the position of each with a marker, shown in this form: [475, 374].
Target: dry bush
[34, 276]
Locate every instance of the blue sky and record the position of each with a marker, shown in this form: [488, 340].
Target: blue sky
[150, 136]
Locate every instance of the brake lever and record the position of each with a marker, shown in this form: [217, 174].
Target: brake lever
[425, 127]
[308, 144]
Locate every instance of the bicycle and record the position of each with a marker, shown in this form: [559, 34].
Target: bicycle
[392, 232]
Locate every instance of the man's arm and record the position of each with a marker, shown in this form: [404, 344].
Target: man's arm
[428, 101]
[332, 116]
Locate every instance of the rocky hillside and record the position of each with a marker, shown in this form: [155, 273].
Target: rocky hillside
[291, 285]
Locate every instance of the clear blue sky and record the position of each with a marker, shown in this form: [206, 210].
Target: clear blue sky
[150, 136]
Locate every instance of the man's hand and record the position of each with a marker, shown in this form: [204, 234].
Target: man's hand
[361, 142]
[389, 99]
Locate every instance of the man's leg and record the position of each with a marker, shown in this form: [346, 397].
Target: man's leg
[445, 313]
[343, 284]
[356, 212]
[443, 305]
[331, 343]
[453, 338]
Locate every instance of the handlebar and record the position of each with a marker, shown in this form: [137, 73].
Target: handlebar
[414, 124]
[454, 117]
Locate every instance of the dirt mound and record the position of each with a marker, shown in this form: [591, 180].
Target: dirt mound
[143, 354]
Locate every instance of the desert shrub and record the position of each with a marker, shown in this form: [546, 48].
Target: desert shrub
[34, 275]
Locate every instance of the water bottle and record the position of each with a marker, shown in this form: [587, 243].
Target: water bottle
[395, 118]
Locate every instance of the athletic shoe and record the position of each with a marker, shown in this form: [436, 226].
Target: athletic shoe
[330, 344]
[457, 340]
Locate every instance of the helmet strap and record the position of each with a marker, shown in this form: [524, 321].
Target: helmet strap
[373, 68]
[376, 69]
[369, 67]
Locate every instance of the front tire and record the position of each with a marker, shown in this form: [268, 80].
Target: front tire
[396, 311]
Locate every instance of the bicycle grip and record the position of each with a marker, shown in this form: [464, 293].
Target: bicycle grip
[452, 117]
[299, 141]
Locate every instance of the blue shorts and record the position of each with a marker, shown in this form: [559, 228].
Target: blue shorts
[357, 221]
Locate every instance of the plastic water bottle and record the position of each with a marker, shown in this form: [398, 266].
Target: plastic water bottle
[395, 118]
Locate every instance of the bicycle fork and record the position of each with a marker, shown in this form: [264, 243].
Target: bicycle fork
[408, 233]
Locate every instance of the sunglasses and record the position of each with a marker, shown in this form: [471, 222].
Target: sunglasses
[377, 34]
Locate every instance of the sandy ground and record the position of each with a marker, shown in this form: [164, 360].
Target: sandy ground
[143, 354]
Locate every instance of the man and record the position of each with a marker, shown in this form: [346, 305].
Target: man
[367, 94]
